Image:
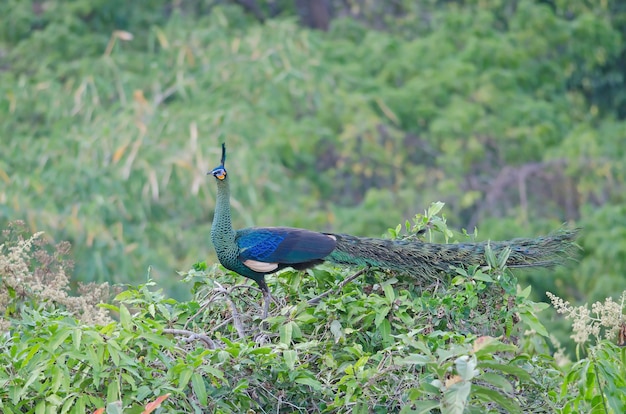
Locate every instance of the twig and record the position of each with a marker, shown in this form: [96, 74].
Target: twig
[221, 290]
[202, 308]
[192, 336]
[233, 309]
[340, 286]
[280, 400]
[236, 318]
[244, 286]
[219, 325]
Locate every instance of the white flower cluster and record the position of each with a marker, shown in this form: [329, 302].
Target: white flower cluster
[604, 321]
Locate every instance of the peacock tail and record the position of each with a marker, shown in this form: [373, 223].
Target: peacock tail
[428, 259]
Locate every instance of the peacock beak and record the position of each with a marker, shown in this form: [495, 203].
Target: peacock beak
[218, 172]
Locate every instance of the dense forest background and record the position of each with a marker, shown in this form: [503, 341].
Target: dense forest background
[348, 116]
[512, 113]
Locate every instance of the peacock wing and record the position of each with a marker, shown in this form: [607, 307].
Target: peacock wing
[282, 245]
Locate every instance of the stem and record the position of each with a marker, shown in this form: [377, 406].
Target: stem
[340, 286]
[595, 368]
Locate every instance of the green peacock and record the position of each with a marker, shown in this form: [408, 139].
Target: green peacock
[258, 251]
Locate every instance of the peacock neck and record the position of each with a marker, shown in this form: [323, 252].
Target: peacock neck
[222, 233]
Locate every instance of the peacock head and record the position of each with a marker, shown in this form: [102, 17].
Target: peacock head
[220, 172]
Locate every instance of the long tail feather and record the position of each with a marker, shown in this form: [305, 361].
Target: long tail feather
[428, 259]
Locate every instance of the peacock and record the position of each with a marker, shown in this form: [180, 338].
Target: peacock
[258, 251]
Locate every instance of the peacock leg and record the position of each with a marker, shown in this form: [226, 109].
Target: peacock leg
[267, 298]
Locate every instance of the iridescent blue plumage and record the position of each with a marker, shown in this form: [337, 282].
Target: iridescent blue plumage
[283, 245]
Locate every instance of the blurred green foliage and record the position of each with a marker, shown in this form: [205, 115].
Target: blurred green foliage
[512, 113]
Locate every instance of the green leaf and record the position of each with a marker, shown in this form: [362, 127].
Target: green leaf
[435, 208]
[125, 318]
[311, 382]
[114, 407]
[58, 338]
[286, 331]
[421, 407]
[40, 408]
[497, 381]
[306, 317]
[336, 330]
[113, 390]
[263, 350]
[361, 362]
[58, 377]
[184, 377]
[381, 314]
[77, 336]
[111, 307]
[532, 321]
[296, 332]
[489, 395]
[456, 397]
[68, 404]
[129, 379]
[503, 257]
[217, 373]
[54, 400]
[540, 306]
[199, 388]
[389, 292]
[490, 256]
[241, 385]
[385, 331]
[525, 293]
[507, 369]
[34, 376]
[80, 404]
[416, 359]
[31, 352]
[458, 280]
[158, 340]
[466, 367]
[143, 392]
[123, 296]
[290, 357]
[114, 354]
[482, 277]
[485, 346]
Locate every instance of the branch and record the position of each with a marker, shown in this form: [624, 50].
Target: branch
[340, 286]
[233, 308]
[192, 336]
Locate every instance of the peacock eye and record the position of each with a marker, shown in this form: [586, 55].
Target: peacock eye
[219, 173]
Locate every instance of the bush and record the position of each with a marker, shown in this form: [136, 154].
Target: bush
[470, 342]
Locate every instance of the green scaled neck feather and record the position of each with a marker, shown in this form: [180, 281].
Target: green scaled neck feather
[223, 235]
[257, 251]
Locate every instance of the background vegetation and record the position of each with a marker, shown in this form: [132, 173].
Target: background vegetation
[510, 112]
